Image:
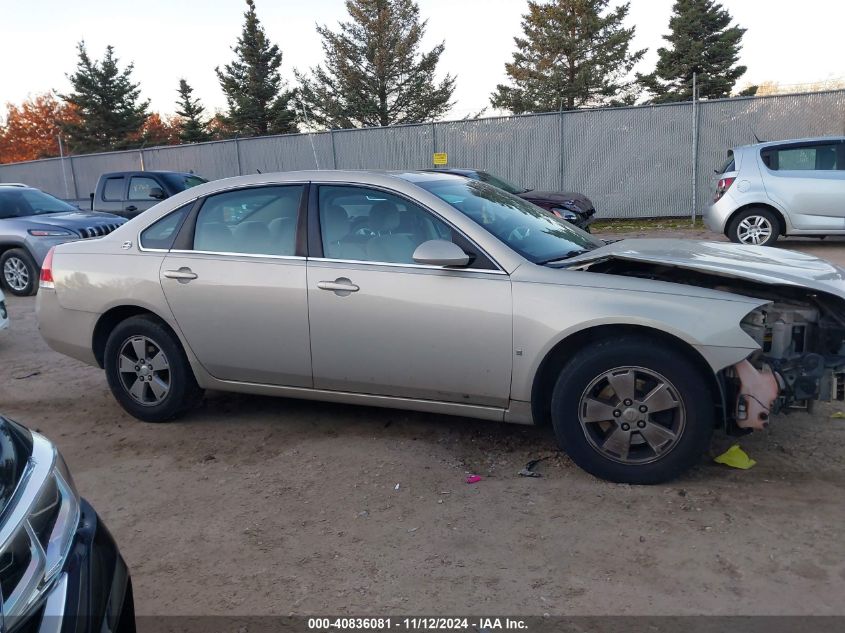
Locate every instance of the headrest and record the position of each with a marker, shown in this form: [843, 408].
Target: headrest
[384, 216]
[335, 223]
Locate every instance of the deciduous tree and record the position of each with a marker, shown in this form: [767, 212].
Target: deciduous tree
[31, 130]
[158, 130]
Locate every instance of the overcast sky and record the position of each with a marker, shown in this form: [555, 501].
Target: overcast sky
[786, 42]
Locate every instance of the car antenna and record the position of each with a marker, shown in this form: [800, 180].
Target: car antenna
[258, 170]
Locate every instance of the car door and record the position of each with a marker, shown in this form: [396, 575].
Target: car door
[237, 286]
[808, 180]
[112, 195]
[138, 198]
[381, 324]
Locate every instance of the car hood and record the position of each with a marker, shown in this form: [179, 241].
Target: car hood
[754, 263]
[558, 197]
[73, 219]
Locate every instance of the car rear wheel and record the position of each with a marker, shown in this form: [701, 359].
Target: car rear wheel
[756, 226]
[20, 272]
[148, 372]
[632, 411]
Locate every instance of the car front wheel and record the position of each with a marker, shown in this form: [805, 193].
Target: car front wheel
[632, 411]
[20, 272]
[148, 372]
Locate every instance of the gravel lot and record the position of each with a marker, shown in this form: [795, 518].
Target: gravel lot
[268, 506]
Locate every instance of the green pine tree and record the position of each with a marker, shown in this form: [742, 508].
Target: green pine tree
[111, 114]
[257, 101]
[573, 54]
[701, 41]
[374, 73]
[192, 127]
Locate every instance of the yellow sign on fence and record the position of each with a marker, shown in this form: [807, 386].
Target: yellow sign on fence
[441, 158]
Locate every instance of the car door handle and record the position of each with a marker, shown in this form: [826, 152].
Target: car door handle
[183, 274]
[131, 207]
[340, 285]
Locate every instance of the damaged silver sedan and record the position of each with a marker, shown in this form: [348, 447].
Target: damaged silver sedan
[441, 294]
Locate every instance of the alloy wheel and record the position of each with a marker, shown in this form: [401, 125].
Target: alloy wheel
[16, 273]
[755, 229]
[632, 415]
[144, 370]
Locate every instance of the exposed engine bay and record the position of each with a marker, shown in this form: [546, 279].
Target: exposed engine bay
[801, 335]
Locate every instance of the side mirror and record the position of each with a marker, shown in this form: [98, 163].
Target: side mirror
[440, 253]
[157, 193]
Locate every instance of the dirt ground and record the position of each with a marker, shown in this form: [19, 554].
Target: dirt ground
[268, 506]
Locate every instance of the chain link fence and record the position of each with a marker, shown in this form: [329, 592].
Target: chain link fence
[636, 162]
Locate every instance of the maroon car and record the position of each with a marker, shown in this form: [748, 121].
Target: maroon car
[573, 207]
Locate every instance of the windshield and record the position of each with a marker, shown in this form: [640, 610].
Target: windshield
[529, 230]
[20, 203]
[501, 183]
[180, 182]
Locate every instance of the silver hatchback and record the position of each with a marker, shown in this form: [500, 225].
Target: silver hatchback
[781, 188]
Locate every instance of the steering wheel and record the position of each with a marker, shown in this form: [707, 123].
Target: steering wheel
[519, 233]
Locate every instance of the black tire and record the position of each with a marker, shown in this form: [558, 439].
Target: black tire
[14, 264]
[684, 382]
[768, 221]
[182, 390]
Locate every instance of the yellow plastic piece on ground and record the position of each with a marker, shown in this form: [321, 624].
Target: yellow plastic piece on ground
[838, 415]
[735, 457]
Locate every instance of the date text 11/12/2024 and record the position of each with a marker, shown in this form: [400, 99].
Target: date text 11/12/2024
[417, 624]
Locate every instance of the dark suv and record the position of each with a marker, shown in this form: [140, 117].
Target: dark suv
[31, 222]
[572, 207]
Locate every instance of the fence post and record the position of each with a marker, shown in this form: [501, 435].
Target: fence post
[560, 147]
[334, 150]
[238, 155]
[694, 147]
[73, 178]
[433, 142]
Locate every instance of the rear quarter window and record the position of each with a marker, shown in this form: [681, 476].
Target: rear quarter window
[113, 189]
[162, 233]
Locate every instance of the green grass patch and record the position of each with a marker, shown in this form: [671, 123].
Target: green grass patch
[623, 225]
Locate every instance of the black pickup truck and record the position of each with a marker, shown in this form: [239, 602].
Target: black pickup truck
[128, 193]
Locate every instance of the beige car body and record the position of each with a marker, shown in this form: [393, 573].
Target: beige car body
[454, 341]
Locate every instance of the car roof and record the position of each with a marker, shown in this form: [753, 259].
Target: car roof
[148, 171]
[16, 185]
[788, 141]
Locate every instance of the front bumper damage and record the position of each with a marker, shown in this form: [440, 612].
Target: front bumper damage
[801, 360]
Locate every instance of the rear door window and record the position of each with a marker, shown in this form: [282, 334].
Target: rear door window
[113, 189]
[826, 156]
[254, 221]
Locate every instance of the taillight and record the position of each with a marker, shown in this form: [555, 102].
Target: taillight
[722, 187]
[47, 270]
